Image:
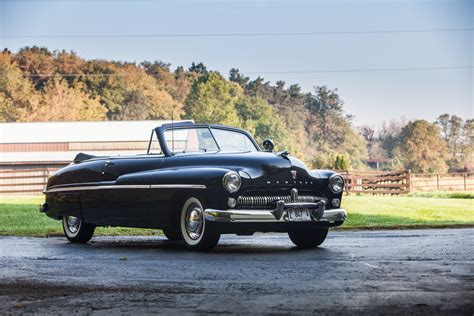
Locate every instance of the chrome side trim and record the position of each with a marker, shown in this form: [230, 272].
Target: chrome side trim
[81, 184]
[126, 186]
[265, 216]
[178, 186]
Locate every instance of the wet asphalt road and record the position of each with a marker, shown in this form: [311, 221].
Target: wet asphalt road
[389, 272]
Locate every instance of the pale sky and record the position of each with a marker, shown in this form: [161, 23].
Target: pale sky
[370, 96]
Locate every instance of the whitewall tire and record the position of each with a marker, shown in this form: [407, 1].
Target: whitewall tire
[196, 233]
[76, 231]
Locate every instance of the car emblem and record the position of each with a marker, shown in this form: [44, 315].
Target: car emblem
[293, 174]
[294, 195]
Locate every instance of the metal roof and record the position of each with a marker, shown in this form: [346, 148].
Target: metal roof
[57, 132]
[63, 156]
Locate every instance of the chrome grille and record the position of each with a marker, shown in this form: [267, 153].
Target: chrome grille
[268, 202]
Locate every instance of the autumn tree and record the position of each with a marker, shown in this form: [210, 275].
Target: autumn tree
[177, 83]
[69, 65]
[468, 144]
[60, 102]
[129, 93]
[389, 135]
[421, 147]
[18, 98]
[452, 131]
[109, 87]
[37, 62]
[183, 80]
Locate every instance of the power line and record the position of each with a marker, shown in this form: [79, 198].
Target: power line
[261, 72]
[70, 1]
[238, 34]
[358, 70]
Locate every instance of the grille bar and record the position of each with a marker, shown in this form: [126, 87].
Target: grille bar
[268, 202]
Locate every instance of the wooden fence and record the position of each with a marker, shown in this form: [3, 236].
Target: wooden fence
[402, 182]
[24, 181]
[442, 182]
[33, 181]
[377, 182]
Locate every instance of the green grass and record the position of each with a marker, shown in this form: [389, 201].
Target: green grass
[444, 194]
[19, 216]
[407, 212]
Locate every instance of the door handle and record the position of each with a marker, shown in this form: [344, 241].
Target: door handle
[109, 163]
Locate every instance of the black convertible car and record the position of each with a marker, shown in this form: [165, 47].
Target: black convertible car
[196, 182]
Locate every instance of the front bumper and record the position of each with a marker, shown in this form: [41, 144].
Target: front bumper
[278, 215]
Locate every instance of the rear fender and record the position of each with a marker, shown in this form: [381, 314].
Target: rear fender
[63, 203]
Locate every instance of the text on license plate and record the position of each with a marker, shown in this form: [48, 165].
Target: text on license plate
[298, 215]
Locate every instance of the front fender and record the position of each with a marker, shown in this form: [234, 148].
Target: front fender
[321, 174]
[212, 193]
[208, 176]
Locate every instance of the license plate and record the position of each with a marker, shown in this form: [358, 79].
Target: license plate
[298, 215]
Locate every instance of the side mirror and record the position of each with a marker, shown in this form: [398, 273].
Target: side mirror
[268, 145]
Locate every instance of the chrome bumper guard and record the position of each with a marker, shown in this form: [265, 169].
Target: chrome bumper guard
[280, 214]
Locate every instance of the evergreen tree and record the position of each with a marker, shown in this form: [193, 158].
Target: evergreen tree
[337, 163]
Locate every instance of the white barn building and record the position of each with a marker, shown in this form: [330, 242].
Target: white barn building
[50, 144]
[31, 152]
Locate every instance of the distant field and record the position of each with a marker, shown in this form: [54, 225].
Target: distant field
[20, 216]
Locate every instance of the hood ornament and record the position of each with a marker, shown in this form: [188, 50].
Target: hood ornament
[294, 195]
[294, 173]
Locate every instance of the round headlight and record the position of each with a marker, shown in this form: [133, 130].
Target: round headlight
[336, 183]
[231, 181]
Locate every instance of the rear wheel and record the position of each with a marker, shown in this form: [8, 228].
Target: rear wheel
[308, 238]
[197, 234]
[76, 231]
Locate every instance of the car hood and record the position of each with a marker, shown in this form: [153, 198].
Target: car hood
[261, 167]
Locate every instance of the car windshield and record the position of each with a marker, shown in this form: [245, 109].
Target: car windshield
[184, 140]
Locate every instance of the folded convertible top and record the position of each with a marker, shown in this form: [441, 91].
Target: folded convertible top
[83, 156]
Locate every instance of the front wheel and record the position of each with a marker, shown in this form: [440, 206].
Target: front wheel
[197, 234]
[76, 231]
[308, 238]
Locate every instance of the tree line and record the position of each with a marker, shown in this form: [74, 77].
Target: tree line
[425, 147]
[37, 84]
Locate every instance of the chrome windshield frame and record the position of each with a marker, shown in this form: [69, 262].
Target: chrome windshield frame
[188, 125]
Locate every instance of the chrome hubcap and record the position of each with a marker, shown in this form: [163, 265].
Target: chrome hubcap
[73, 224]
[194, 221]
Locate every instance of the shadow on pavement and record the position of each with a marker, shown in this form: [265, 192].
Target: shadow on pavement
[233, 247]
